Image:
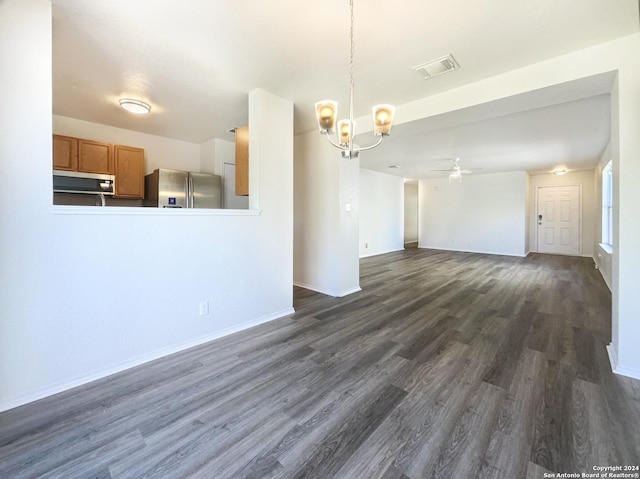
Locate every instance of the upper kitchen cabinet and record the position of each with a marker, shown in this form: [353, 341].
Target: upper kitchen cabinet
[95, 157]
[129, 172]
[76, 154]
[125, 163]
[65, 153]
[242, 161]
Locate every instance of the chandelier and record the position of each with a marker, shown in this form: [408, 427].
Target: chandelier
[327, 113]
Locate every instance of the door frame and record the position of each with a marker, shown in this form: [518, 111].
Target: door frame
[536, 214]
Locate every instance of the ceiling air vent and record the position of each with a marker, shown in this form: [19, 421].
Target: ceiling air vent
[437, 67]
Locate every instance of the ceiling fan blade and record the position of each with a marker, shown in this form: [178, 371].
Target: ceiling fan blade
[456, 168]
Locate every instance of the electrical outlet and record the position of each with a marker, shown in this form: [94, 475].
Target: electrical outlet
[204, 308]
[366, 245]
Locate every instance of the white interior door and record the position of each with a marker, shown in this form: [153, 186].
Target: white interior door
[558, 220]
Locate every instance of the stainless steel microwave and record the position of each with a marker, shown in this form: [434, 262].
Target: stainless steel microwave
[79, 182]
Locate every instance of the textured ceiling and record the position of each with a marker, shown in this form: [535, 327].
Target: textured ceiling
[195, 61]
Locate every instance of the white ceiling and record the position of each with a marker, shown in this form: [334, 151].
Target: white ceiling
[195, 61]
[525, 132]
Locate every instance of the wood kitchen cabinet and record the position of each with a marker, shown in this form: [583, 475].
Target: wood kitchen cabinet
[126, 163]
[77, 154]
[65, 153]
[129, 171]
[95, 157]
[242, 161]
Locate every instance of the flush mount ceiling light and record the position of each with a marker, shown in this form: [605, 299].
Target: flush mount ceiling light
[437, 67]
[134, 106]
[559, 171]
[327, 113]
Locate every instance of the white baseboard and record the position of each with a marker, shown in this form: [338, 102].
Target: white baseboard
[349, 291]
[335, 294]
[633, 373]
[315, 288]
[613, 356]
[629, 372]
[382, 252]
[21, 400]
[497, 253]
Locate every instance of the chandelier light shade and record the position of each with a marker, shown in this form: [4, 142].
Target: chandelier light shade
[343, 132]
[382, 119]
[327, 114]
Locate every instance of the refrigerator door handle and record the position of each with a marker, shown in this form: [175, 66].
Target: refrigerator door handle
[191, 192]
[187, 192]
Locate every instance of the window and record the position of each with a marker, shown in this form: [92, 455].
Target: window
[607, 205]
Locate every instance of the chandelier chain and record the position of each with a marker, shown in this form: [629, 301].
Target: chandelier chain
[351, 81]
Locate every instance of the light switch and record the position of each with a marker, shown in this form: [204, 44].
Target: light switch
[347, 207]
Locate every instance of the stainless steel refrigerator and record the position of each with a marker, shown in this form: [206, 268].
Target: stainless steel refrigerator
[182, 189]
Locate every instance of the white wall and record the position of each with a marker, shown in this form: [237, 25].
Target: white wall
[483, 214]
[348, 263]
[315, 215]
[159, 152]
[410, 213]
[208, 160]
[381, 213]
[75, 304]
[589, 218]
[326, 236]
[225, 153]
[214, 155]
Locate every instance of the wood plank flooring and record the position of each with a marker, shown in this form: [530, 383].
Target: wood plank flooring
[446, 365]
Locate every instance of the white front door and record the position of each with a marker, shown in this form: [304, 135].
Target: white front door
[558, 220]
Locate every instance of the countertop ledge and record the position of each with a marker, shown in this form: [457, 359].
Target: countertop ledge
[147, 211]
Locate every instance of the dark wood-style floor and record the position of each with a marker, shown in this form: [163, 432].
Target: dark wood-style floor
[451, 365]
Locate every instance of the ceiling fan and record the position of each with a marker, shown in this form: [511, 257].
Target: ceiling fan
[456, 171]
